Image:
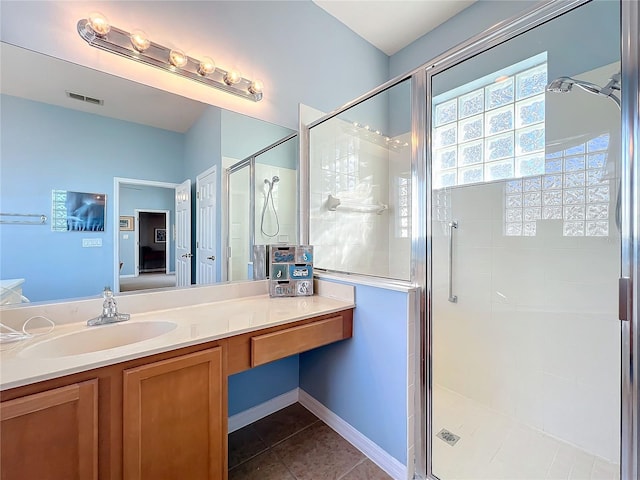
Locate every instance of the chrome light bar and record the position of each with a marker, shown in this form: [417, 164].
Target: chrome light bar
[119, 42]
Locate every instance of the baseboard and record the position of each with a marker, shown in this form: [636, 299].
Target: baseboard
[249, 416]
[376, 454]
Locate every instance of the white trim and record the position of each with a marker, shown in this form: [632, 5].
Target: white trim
[247, 417]
[128, 276]
[117, 182]
[199, 177]
[375, 453]
[367, 280]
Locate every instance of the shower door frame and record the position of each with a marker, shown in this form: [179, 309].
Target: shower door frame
[630, 228]
[249, 162]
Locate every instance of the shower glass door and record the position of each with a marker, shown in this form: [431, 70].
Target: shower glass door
[276, 213]
[239, 234]
[525, 255]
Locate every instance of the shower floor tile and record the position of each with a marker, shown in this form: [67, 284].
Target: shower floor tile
[494, 446]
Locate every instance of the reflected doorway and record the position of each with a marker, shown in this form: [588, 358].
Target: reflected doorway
[146, 245]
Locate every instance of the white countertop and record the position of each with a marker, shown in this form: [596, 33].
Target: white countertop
[194, 324]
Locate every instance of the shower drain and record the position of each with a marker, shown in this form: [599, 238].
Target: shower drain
[447, 436]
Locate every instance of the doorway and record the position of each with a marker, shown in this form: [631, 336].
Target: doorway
[152, 257]
[146, 242]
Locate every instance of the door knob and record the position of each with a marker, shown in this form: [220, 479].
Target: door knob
[212, 257]
[186, 255]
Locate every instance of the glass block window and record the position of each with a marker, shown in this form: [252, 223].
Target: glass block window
[59, 210]
[403, 214]
[492, 128]
[574, 188]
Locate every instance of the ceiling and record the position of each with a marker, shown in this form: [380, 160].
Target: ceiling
[123, 99]
[391, 25]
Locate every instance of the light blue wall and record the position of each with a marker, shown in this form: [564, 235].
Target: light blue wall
[284, 155]
[203, 144]
[256, 386]
[46, 147]
[144, 198]
[473, 20]
[364, 380]
[243, 136]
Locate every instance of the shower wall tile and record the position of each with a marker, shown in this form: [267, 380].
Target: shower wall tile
[354, 169]
[542, 336]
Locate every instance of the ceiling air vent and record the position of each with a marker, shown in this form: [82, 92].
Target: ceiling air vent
[84, 98]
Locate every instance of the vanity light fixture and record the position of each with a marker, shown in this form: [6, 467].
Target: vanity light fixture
[135, 45]
[139, 40]
[177, 58]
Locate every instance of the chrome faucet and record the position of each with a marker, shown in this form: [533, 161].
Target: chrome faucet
[109, 311]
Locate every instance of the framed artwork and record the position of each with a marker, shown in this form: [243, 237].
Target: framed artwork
[160, 235]
[126, 223]
[78, 211]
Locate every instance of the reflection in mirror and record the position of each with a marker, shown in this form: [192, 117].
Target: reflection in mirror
[147, 255]
[104, 127]
[269, 197]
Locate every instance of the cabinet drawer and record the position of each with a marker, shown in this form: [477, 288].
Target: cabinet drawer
[272, 346]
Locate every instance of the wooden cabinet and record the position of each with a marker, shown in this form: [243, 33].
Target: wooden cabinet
[174, 414]
[51, 435]
[256, 348]
[289, 341]
[162, 416]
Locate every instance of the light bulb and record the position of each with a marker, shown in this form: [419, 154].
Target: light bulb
[256, 87]
[139, 40]
[207, 66]
[232, 77]
[99, 24]
[177, 58]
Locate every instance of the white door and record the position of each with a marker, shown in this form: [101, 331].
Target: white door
[206, 227]
[183, 234]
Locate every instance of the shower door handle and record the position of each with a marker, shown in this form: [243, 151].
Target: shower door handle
[452, 226]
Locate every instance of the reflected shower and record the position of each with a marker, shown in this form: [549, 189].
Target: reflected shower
[275, 179]
[565, 84]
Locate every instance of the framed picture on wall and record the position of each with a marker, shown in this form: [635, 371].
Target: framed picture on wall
[160, 235]
[77, 211]
[126, 223]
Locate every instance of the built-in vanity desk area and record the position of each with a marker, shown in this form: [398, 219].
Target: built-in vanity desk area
[80, 402]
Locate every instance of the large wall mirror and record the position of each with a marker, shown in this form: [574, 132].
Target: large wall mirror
[70, 133]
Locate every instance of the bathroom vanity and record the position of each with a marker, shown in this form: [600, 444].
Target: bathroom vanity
[155, 408]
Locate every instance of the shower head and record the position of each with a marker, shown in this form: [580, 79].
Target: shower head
[560, 85]
[275, 179]
[565, 84]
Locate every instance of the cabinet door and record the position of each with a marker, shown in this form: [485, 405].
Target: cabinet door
[174, 415]
[51, 435]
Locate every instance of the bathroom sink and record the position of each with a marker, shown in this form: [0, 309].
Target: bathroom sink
[95, 339]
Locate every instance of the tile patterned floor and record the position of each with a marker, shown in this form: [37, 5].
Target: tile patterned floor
[293, 444]
[496, 447]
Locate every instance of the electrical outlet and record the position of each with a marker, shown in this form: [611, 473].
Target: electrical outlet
[91, 242]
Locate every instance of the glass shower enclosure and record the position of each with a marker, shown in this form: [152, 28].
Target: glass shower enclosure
[525, 230]
[263, 189]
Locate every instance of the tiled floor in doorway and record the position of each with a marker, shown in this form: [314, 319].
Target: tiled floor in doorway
[293, 444]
